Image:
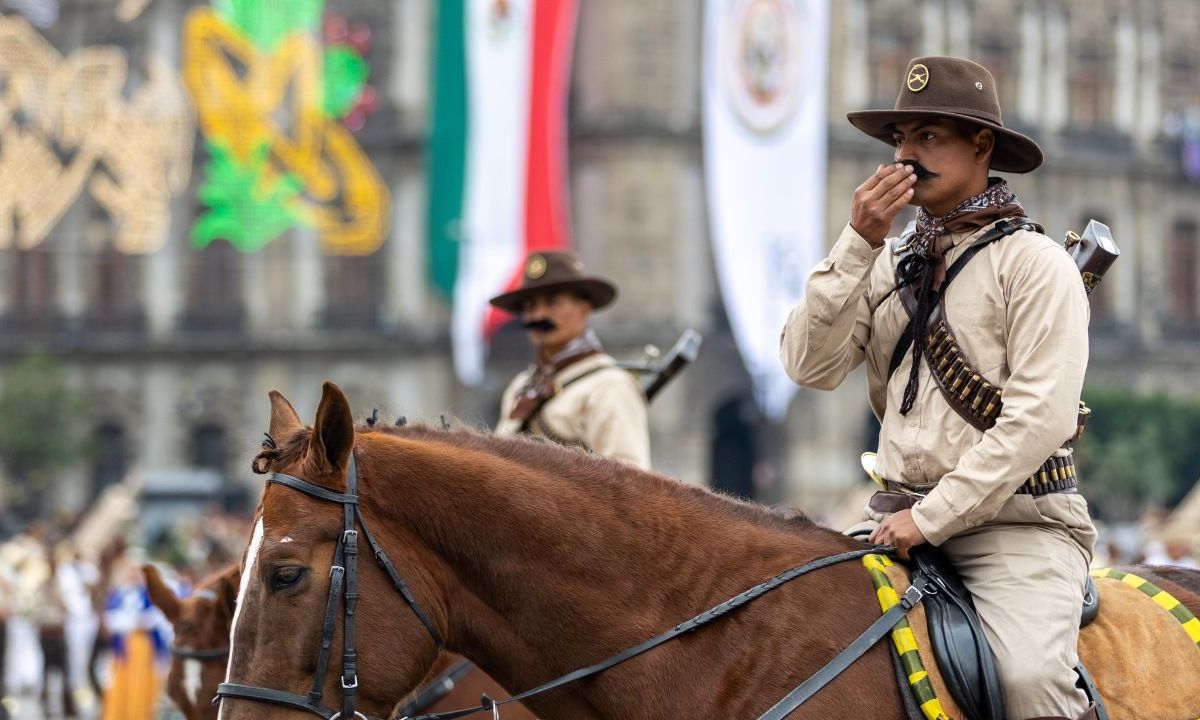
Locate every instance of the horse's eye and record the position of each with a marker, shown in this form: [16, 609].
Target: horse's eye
[285, 577]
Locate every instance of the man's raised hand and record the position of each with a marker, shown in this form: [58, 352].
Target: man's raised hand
[879, 200]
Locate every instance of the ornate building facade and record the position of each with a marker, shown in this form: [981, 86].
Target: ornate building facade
[179, 346]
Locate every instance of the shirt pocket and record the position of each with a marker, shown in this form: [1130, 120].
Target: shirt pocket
[979, 327]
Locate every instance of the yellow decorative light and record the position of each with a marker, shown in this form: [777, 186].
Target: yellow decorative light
[342, 195]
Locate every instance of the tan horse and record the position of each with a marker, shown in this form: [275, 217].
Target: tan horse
[200, 651]
[535, 560]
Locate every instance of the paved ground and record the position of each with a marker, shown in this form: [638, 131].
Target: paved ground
[27, 708]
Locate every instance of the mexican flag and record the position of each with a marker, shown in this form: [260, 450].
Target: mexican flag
[498, 186]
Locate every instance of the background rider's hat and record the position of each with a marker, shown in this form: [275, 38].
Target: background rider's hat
[556, 271]
[954, 88]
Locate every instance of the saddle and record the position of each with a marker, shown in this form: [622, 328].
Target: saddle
[956, 636]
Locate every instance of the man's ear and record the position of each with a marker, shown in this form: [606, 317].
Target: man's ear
[985, 144]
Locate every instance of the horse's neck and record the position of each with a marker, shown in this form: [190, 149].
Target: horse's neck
[547, 574]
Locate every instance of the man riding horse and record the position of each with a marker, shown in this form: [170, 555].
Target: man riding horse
[974, 332]
[574, 393]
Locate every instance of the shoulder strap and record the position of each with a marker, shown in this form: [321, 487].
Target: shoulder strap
[1002, 229]
[525, 426]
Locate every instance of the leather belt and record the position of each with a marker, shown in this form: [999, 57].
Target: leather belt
[1056, 475]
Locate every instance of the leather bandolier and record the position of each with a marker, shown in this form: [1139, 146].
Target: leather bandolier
[964, 387]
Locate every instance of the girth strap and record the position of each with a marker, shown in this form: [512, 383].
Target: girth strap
[873, 634]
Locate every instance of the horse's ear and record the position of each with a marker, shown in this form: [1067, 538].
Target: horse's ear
[227, 590]
[284, 418]
[161, 595]
[333, 432]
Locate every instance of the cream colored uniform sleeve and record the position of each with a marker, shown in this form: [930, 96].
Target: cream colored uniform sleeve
[1047, 346]
[616, 425]
[826, 334]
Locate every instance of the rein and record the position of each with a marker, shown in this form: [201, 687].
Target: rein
[343, 586]
[807, 689]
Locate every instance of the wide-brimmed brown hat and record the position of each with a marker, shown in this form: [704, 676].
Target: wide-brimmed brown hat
[952, 87]
[556, 271]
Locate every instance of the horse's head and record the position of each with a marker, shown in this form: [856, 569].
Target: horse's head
[200, 651]
[310, 569]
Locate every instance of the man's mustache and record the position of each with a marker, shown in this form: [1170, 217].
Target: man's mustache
[541, 324]
[923, 173]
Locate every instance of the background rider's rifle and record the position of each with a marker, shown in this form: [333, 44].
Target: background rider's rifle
[655, 372]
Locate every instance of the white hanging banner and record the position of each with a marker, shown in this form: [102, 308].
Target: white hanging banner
[499, 54]
[765, 147]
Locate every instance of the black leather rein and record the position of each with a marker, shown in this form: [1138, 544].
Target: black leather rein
[873, 634]
[343, 586]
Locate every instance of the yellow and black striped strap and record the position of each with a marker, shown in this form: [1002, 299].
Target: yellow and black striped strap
[906, 642]
[1164, 599]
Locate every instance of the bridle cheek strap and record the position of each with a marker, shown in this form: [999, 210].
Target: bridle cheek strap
[343, 585]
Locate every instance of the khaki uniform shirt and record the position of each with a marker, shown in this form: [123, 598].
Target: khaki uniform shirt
[1020, 314]
[604, 412]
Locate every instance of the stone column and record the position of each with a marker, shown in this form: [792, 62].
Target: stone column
[855, 85]
[1127, 72]
[933, 27]
[1056, 99]
[958, 28]
[256, 288]
[1032, 69]
[158, 445]
[1149, 108]
[404, 251]
[65, 243]
[309, 290]
[408, 78]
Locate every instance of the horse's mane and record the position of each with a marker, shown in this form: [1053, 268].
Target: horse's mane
[573, 464]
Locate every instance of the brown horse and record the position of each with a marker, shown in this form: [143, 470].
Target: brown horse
[535, 560]
[200, 652]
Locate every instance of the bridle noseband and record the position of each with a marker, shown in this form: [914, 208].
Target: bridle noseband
[188, 653]
[343, 585]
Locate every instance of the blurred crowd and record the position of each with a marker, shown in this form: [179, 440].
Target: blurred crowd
[78, 634]
[1157, 539]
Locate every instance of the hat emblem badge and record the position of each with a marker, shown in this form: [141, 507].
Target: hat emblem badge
[536, 267]
[918, 78]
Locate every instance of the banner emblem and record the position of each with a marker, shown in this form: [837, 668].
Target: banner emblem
[764, 73]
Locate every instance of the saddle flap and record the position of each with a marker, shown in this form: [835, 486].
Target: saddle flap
[959, 645]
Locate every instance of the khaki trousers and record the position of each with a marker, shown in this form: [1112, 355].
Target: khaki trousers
[1026, 570]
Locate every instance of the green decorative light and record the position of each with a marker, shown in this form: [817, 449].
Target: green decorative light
[345, 76]
[268, 23]
[242, 206]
